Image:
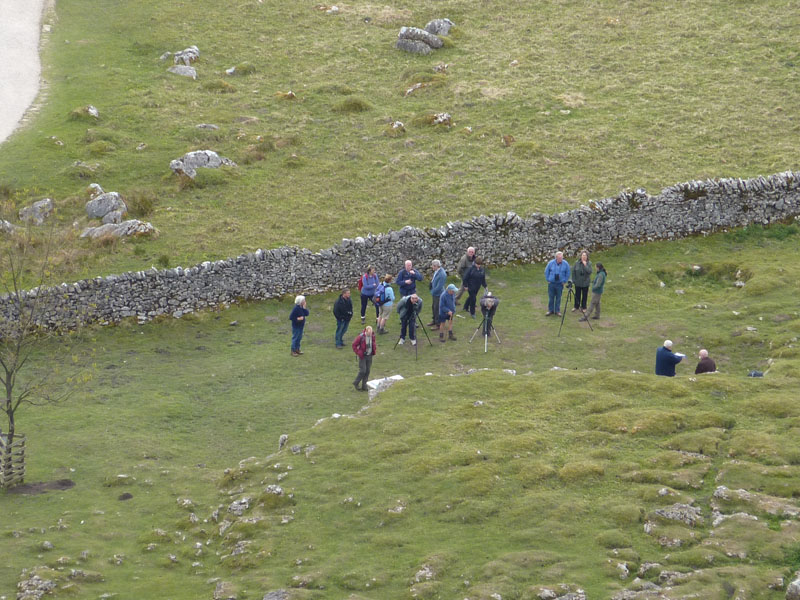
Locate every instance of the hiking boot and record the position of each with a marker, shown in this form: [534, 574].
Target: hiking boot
[295, 353]
[451, 337]
[594, 318]
[582, 319]
[355, 385]
[441, 338]
[432, 324]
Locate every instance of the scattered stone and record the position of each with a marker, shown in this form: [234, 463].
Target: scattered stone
[187, 56]
[276, 595]
[129, 228]
[441, 68]
[297, 449]
[443, 118]
[426, 573]
[680, 292]
[210, 126]
[684, 513]
[125, 496]
[282, 441]
[102, 204]
[224, 591]
[165, 56]
[793, 589]
[36, 213]
[34, 587]
[237, 507]
[8, 228]
[183, 71]
[420, 35]
[274, 489]
[439, 26]
[94, 190]
[623, 570]
[768, 504]
[200, 159]
[47, 545]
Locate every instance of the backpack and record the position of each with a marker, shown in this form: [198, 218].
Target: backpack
[361, 282]
[380, 294]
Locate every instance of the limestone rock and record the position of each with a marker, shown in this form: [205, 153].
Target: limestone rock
[183, 70]
[200, 159]
[684, 513]
[115, 216]
[439, 26]
[420, 35]
[224, 591]
[186, 56]
[37, 212]
[793, 591]
[132, 227]
[413, 46]
[94, 190]
[99, 206]
[7, 228]
[276, 595]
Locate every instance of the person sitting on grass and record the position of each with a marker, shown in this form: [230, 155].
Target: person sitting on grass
[706, 364]
[447, 311]
[666, 360]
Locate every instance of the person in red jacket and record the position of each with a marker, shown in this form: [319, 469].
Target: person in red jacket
[365, 348]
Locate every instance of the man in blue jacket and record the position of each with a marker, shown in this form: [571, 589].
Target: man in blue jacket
[407, 279]
[557, 274]
[666, 360]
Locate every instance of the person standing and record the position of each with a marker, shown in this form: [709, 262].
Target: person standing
[581, 276]
[557, 274]
[447, 311]
[666, 360]
[473, 280]
[369, 281]
[488, 308]
[365, 348]
[298, 319]
[597, 292]
[385, 308]
[408, 308]
[437, 284]
[407, 279]
[343, 311]
[706, 364]
[463, 266]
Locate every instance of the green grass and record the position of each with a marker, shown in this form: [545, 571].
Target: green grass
[548, 480]
[598, 97]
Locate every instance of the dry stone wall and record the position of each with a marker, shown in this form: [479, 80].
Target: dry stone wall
[697, 207]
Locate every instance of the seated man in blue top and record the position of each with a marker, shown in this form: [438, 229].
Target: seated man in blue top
[407, 279]
[557, 274]
[666, 360]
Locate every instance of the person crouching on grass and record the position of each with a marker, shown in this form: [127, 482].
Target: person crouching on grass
[365, 348]
[447, 310]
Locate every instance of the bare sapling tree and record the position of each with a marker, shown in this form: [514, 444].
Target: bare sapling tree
[23, 333]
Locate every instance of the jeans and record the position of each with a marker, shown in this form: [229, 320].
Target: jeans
[341, 329]
[554, 295]
[411, 324]
[581, 293]
[297, 335]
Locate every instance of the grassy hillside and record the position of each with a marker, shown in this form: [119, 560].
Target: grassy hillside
[596, 97]
[570, 465]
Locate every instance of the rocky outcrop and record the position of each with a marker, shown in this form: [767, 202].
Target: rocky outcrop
[104, 203]
[37, 213]
[200, 159]
[129, 228]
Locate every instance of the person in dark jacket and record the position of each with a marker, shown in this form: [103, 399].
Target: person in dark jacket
[447, 310]
[706, 364]
[298, 319]
[666, 360]
[408, 308]
[473, 280]
[365, 348]
[407, 279]
[597, 293]
[343, 311]
[581, 277]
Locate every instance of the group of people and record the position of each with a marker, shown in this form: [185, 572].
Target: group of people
[445, 298]
[667, 359]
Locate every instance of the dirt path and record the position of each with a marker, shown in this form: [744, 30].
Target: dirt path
[20, 69]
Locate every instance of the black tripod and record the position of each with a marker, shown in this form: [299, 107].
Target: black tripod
[425, 331]
[485, 335]
[570, 295]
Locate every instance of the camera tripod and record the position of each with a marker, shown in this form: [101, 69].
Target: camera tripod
[485, 335]
[416, 347]
[570, 295]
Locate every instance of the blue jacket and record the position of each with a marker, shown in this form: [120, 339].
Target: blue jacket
[554, 270]
[408, 289]
[298, 311]
[447, 303]
[369, 284]
[666, 360]
[438, 281]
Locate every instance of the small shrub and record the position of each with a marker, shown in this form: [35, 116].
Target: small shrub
[163, 261]
[219, 85]
[141, 203]
[352, 104]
